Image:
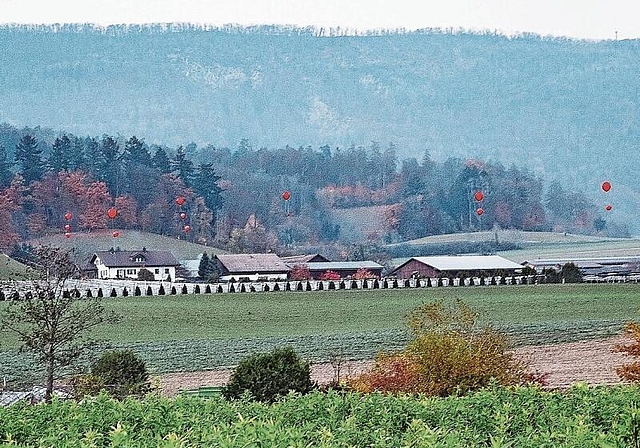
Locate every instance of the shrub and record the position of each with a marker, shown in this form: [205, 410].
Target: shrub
[122, 373]
[270, 375]
[145, 275]
[330, 275]
[364, 274]
[448, 354]
[630, 372]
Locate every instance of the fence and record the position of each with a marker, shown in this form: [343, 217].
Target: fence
[15, 290]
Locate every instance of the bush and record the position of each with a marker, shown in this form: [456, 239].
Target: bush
[300, 272]
[447, 355]
[630, 372]
[270, 375]
[122, 373]
[145, 275]
[329, 275]
[364, 274]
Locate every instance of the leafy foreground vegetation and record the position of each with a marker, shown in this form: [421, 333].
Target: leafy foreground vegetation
[498, 417]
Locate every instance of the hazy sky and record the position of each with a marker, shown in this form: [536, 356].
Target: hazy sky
[591, 19]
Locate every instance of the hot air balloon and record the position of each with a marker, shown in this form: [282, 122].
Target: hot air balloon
[286, 195]
[180, 200]
[608, 207]
[480, 211]
[116, 234]
[68, 216]
[67, 227]
[67, 234]
[183, 215]
[187, 229]
[112, 213]
[479, 196]
[606, 186]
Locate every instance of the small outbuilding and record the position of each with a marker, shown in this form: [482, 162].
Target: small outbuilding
[251, 267]
[456, 265]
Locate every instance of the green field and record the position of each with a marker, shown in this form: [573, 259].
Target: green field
[11, 269]
[181, 333]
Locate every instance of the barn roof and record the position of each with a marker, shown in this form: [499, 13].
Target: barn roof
[466, 262]
[126, 258]
[303, 259]
[344, 265]
[252, 263]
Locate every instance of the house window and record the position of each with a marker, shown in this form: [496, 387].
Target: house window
[166, 270]
[139, 259]
[131, 271]
[157, 271]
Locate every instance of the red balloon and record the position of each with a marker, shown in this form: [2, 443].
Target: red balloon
[608, 208]
[187, 229]
[180, 200]
[67, 227]
[112, 213]
[480, 211]
[479, 196]
[183, 215]
[68, 216]
[67, 235]
[606, 185]
[286, 195]
[116, 234]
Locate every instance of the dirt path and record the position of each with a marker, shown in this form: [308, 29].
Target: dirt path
[590, 361]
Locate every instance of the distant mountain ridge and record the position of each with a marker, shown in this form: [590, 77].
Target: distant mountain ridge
[567, 109]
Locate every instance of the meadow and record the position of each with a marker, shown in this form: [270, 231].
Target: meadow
[206, 331]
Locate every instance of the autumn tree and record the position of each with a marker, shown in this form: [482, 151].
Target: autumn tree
[50, 322]
[8, 237]
[29, 159]
[5, 168]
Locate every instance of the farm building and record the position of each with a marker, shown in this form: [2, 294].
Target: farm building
[344, 268]
[293, 260]
[454, 266]
[253, 267]
[116, 263]
[598, 266]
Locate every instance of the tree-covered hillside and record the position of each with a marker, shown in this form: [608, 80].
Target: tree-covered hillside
[565, 109]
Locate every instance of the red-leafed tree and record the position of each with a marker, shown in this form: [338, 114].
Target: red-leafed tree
[363, 274]
[330, 275]
[127, 208]
[98, 200]
[8, 236]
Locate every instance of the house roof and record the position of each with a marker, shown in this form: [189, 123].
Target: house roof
[303, 259]
[466, 262]
[252, 263]
[343, 265]
[125, 258]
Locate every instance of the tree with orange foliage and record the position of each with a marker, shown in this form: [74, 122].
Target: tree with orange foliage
[630, 372]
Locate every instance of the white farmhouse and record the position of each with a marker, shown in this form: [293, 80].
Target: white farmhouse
[126, 264]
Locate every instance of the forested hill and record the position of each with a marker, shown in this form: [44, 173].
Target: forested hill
[566, 109]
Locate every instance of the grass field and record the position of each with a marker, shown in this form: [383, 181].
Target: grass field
[11, 269]
[194, 332]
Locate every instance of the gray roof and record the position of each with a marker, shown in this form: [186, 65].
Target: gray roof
[303, 259]
[467, 262]
[252, 263]
[343, 265]
[125, 258]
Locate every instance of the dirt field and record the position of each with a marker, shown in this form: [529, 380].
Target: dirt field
[590, 361]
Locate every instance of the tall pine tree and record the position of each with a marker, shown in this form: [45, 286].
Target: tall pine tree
[161, 160]
[60, 158]
[183, 167]
[206, 186]
[29, 159]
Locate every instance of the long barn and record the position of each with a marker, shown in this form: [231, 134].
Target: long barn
[454, 266]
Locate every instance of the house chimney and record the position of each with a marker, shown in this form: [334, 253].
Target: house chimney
[111, 250]
[144, 249]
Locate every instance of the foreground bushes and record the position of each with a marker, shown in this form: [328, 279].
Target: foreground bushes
[498, 417]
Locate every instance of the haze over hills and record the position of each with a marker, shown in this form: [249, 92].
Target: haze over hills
[566, 109]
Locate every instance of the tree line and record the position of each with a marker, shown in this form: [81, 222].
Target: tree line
[233, 197]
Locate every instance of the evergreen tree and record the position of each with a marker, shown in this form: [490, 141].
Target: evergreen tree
[161, 160]
[5, 168]
[136, 152]
[109, 164]
[183, 167]
[29, 157]
[77, 159]
[94, 162]
[60, 158]
[206, 186]
[204, 268]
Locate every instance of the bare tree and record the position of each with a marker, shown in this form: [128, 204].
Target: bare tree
[52, 322]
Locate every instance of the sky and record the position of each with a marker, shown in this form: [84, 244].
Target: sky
[583, 19]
